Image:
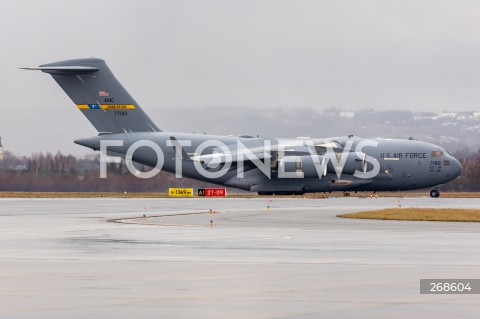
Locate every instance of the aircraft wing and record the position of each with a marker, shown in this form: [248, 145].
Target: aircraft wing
[218, 157]
[255, 148]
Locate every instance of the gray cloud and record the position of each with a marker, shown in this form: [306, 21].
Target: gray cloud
[293, 55]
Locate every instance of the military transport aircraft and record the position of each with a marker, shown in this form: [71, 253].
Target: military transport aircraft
[277, 166]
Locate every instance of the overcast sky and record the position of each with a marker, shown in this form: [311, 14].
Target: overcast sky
[410, 55]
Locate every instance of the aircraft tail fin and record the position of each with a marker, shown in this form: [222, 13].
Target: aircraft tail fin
[99, 95]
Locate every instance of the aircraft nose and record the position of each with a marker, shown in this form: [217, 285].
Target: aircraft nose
[456, 167]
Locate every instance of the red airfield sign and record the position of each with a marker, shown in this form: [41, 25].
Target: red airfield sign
[212, 192]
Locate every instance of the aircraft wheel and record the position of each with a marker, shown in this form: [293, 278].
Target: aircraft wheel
[434, 193]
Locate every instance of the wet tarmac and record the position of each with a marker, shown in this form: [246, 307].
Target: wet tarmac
[252, 258]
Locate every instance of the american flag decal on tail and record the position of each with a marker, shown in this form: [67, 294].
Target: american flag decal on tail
[102, 93]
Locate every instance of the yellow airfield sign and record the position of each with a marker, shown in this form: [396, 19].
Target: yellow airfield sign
[180, 192]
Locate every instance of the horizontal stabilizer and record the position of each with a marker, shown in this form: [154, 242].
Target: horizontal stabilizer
[56, 69]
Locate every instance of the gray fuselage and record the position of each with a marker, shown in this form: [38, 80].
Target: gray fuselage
[402, 164]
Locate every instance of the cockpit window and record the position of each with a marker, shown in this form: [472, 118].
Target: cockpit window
[437, 154]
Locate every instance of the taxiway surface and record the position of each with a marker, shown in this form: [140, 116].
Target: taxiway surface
[63, 258]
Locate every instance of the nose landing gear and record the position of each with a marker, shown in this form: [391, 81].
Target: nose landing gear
[434, 193]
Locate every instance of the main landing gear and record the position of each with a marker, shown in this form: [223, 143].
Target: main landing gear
[434, 193]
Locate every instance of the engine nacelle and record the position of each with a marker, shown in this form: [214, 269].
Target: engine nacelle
[352, 164]
[312, 165]
[294, 166]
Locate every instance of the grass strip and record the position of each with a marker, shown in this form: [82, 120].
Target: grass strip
[419, 214]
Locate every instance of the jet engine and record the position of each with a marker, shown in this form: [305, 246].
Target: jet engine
[312, 165]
